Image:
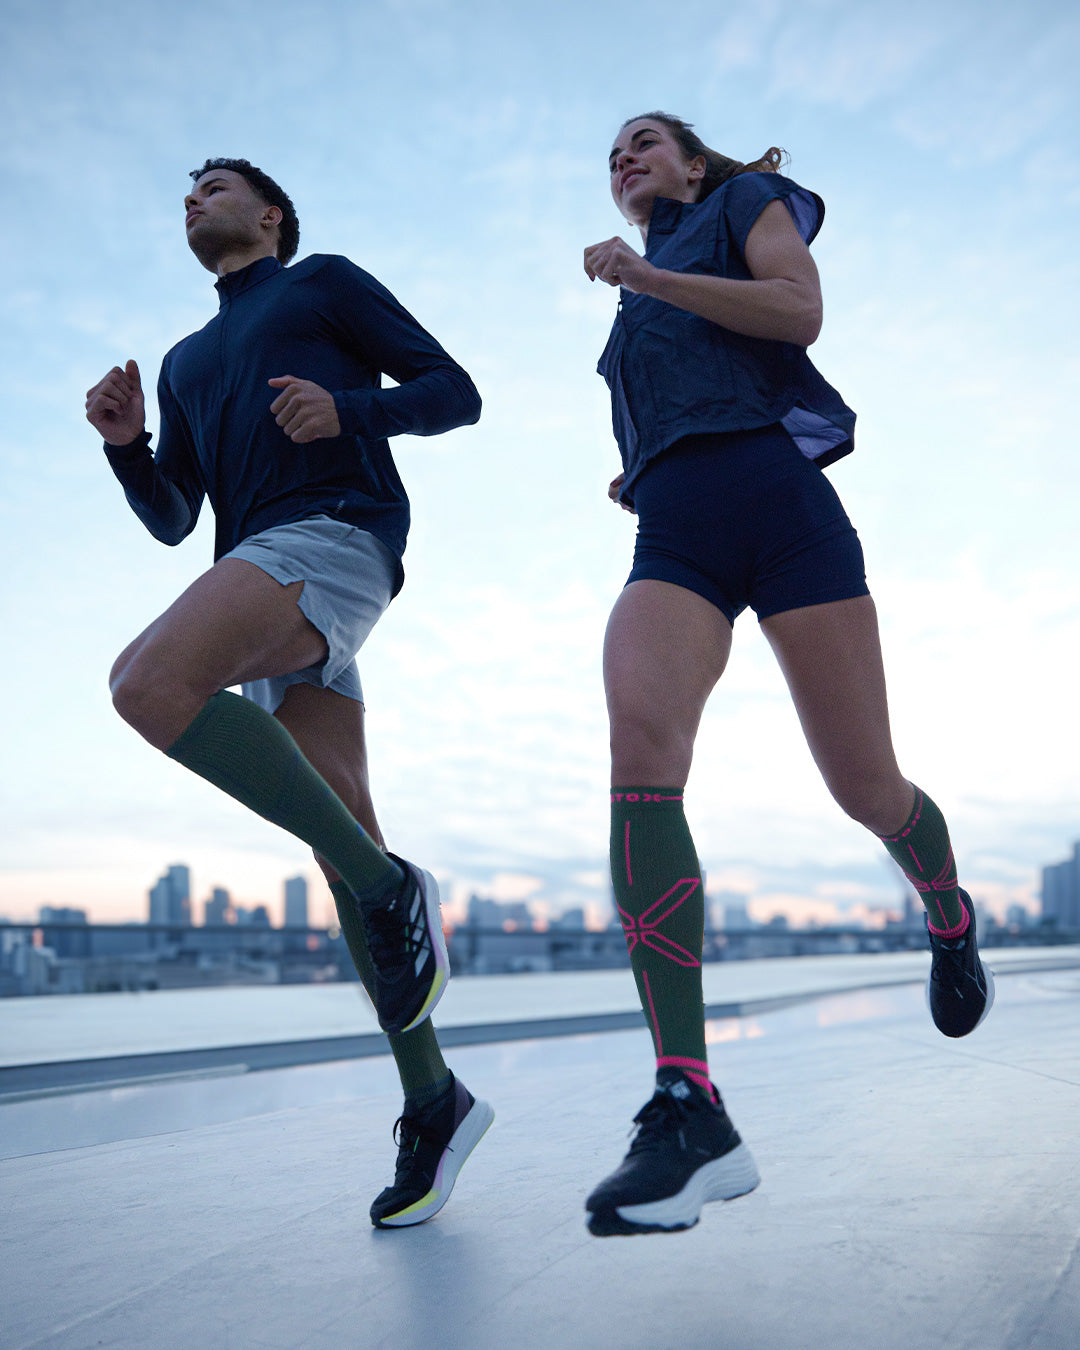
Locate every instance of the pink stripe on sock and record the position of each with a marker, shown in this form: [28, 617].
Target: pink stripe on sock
[682, 1062]
[626, 846]
[652, 1013]
[960, 929]
[697, 1070]
[946, 878]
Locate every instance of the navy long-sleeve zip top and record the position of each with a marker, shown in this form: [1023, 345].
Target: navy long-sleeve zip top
[323, 319]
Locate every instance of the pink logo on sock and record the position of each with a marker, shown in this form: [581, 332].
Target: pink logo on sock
[644, 927]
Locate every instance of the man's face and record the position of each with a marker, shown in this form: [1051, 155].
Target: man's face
[225, 216]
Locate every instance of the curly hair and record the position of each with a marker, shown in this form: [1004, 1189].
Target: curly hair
[272, 195]
[718, 168]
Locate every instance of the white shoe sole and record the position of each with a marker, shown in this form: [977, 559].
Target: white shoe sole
[722, 1179]
[429, 888]
[465, 1138]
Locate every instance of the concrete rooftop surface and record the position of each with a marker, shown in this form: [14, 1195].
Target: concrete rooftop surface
[916, 1191]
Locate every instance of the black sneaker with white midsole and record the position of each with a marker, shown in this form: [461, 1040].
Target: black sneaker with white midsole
[433, 1144]
[685, 1153]
[960, 990]
[408, 950]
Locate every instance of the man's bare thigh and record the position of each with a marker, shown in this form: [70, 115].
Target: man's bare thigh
[233, 624]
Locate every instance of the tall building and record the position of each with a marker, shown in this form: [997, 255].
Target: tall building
[55, 914]
[170, 896]
[216, 910]
[1061, 891]
[736, 915]
[296, 914]
[494, 914]
[258, 917]
[158, 897]
[64, 941]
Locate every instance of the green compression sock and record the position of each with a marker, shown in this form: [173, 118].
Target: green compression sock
[924, 853]
[246, 752]
[420, 1064]
[658, 893]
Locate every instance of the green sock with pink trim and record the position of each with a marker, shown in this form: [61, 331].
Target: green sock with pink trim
[924, 853]
[660, 900]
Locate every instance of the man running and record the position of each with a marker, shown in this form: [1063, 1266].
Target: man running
[274, 412]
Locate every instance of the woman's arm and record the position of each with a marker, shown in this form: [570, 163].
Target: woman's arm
[781, 303]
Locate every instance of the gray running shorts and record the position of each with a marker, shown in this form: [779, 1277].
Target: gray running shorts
[349, 578]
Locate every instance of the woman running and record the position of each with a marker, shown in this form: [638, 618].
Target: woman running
[724, 426]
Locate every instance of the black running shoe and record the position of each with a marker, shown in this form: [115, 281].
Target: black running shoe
[433, 1144]
[408, 950]
[960, 990]
[685, 1153]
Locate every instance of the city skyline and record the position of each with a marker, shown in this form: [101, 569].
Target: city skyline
[172, 899]
[65, 954]
[725, 911]
[466, 170]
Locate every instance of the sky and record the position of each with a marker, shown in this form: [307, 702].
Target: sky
[458, 152]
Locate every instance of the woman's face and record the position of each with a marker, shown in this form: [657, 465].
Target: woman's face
[646, 162]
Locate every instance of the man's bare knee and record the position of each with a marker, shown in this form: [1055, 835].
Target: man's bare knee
[153, 697]
[122, 662]
[136, 692]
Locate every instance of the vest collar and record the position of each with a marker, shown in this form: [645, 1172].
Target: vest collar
[667, 216]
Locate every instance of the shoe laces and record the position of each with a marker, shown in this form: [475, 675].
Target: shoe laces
[388, 935]
[660, 1117]
[409, 1133]
[948, 967]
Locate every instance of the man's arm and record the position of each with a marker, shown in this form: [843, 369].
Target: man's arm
[160, 489]
[116, 407]
[434, 394]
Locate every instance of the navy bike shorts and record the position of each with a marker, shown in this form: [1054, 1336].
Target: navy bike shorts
[744, 518]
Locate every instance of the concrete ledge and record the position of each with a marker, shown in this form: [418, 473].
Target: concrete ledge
[22, 1082]
[86, 1039]
[49, 1077]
